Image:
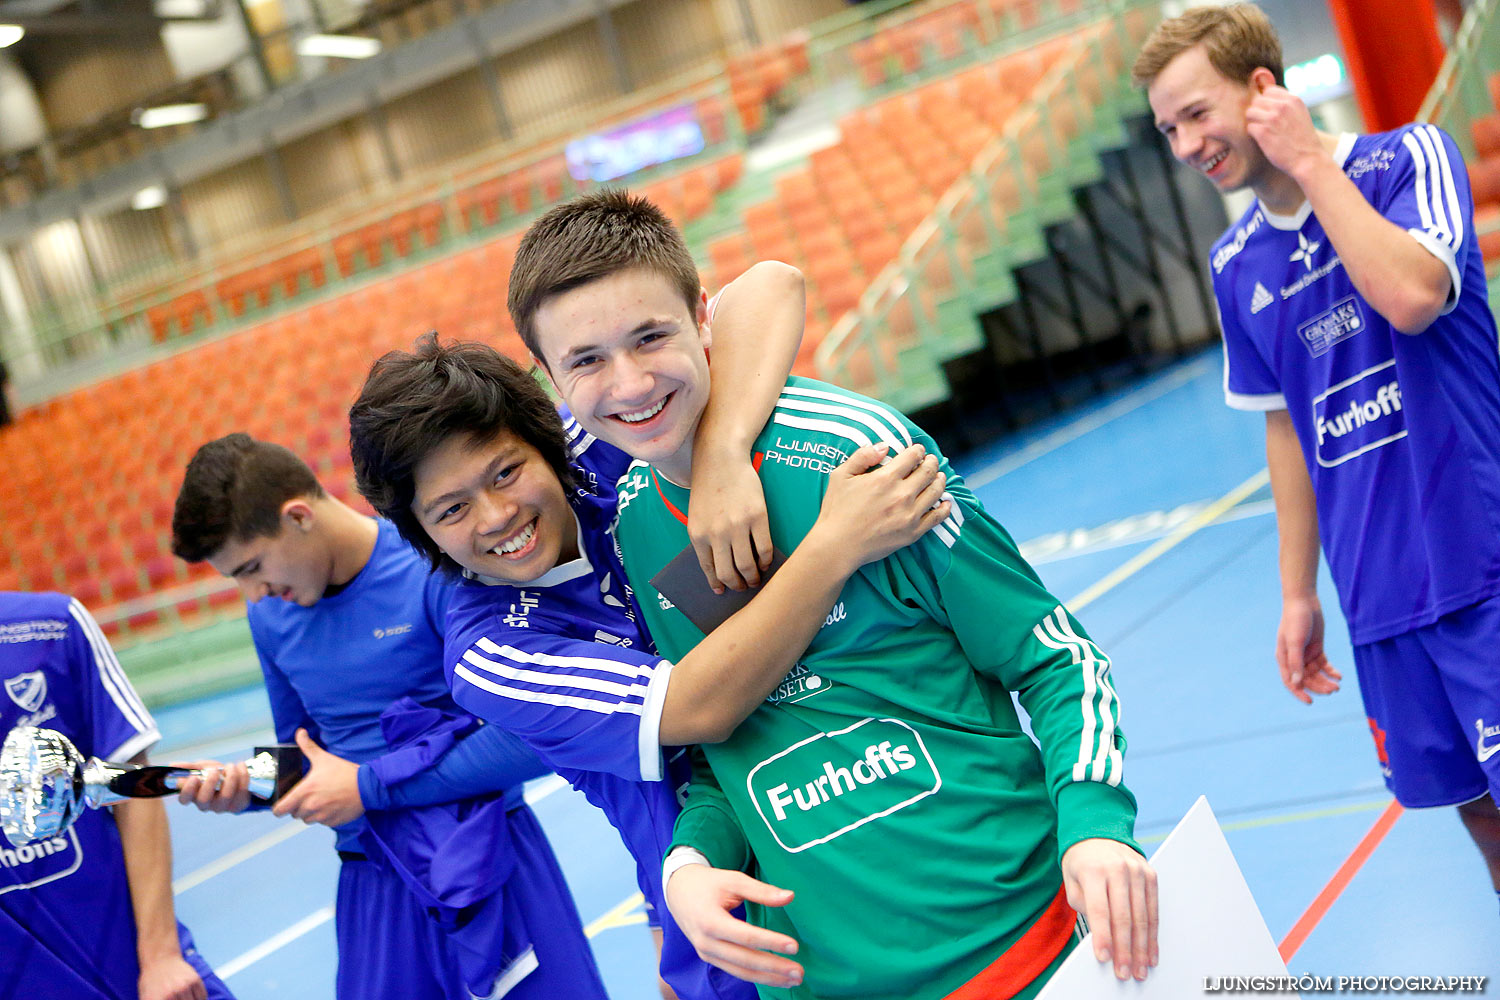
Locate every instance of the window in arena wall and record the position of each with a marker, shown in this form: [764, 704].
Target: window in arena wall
[664, 38]
[446, 120]
[231, 203]
[544, 83]
[128, 243]
[331, 165]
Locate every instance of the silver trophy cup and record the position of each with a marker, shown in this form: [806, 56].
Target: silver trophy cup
[45, 783]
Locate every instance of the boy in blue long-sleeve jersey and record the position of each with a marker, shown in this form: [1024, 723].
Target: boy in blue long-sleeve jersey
[355, 629]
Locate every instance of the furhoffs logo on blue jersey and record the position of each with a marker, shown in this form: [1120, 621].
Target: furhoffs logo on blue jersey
[27, 690]
[39, 862]
[829, 784]
[1358, 415]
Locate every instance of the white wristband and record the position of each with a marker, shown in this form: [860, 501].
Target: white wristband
[680, 857]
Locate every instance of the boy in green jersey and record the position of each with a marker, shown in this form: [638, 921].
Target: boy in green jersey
[932, 849]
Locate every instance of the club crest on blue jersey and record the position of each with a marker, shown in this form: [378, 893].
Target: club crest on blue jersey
[27, 690]
[1358, 415]
[1305, 250]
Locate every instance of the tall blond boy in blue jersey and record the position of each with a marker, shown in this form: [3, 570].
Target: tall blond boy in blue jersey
[931, 774]
[1355, 315]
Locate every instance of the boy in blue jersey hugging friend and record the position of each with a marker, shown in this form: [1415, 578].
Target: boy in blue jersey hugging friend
[547, 637]
[347, 622]
[465, 454]
[1355, 316]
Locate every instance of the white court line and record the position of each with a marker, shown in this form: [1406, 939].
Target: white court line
[626, 913]
[1093, 421]
[310, 922]
[1187, 529]
[1060, 545]
[234, 857]
[535, 792]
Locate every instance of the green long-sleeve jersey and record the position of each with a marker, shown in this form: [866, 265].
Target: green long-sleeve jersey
[888, 780]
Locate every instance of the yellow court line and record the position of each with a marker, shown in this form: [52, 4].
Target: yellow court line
[628, 912]
[1283, 818]
[1191, 526]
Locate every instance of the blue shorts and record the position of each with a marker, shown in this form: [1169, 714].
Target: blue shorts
[215, 987]
[388, 945]
[1433, 700]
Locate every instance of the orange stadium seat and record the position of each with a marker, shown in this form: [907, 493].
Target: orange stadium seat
[711, 120]
[843, 217]
[1484, 180]
[697, 192]
[304, 269]
[518, 192]
[345, 247]
[246, 290]
[1486, 131]
[729, 256]
[480, 205]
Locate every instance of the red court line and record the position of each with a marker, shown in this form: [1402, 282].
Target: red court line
[1340, 881]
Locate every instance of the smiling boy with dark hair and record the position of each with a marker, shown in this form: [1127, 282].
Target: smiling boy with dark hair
[544, 634]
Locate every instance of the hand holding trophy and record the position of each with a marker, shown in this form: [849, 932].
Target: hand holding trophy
[45, 783]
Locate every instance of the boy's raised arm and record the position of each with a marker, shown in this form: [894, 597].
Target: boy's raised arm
[866, 516]
[757, 324]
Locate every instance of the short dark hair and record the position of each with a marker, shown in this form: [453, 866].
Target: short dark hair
[590, 237]
[412, 402]
[233, 490]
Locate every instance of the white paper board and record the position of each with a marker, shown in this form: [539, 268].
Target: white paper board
[1210, 926]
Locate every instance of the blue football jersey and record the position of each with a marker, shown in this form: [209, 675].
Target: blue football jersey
[66, 923]
[565, 663]
[334, 667]
[1401, 433]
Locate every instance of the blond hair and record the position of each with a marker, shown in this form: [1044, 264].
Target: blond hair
[1238, 39]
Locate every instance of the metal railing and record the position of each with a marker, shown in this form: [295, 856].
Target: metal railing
[961, 257]
[924, 307]
[1461, 91]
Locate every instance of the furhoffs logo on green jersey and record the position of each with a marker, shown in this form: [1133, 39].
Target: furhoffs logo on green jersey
[826, 785]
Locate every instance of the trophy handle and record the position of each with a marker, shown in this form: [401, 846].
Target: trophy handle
[149, 782]
[274, 770]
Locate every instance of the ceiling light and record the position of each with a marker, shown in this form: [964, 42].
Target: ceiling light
[154, 196]
[338, 46]
[171, 114]
[10, 34]
[187, 9]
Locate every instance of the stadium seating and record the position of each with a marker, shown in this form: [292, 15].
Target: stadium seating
[101, 465]
[1484, 179]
